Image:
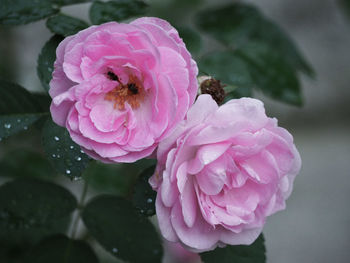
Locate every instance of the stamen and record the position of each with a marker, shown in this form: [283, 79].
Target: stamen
[132, 93]
[112, 76]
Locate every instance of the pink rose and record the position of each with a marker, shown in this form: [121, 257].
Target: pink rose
[120, 89]
[221, 173]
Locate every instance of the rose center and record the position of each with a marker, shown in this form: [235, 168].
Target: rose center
[131, 93]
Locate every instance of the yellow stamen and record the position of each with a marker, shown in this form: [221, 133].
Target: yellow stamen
[132, 93]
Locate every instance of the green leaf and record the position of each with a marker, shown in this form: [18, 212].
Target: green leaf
[227, 67]
[65, 25]
[60, 249]
[69, 2]
[271, 73]
[255, 253]
[43, 101]
[65, 155]
[13, 254]
[255, 65]
[121, 230]
[237, 24]
[191, 38]
[117, 179]
[18, 109]
[19, 12]
[33, 164]
[116, 10]
[31, 209]
[231, 70]
[144, 196]
[46, 61]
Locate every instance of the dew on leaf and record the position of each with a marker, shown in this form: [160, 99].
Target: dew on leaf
[7, 125]
[76, 178]
[56, 138]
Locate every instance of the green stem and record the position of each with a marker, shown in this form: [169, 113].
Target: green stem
[80, 208]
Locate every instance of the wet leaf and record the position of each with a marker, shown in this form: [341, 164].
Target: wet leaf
[65, 25]
[144, 196]
[238, 24]
[19, 12]
[255, 253]
[61, 249]
[65, 155]
[121, 230]
[46, 61]
[116, 10]
[18, 109]
[32, 209]
[33, 164]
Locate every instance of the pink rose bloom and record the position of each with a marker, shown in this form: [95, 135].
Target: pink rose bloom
[221, 173]
[120, 89]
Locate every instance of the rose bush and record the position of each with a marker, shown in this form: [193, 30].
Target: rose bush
[221, 173]
[121, 88]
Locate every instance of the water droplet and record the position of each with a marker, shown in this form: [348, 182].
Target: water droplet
[58, 156]
[81, 151]
[56, 138]
[149, 200]
[115, 250]
[19, 120]
[78, 158]
[54, 156]
[76, 178]
[68, 171]
[7, 125]
[71, 147]
[25, 127]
